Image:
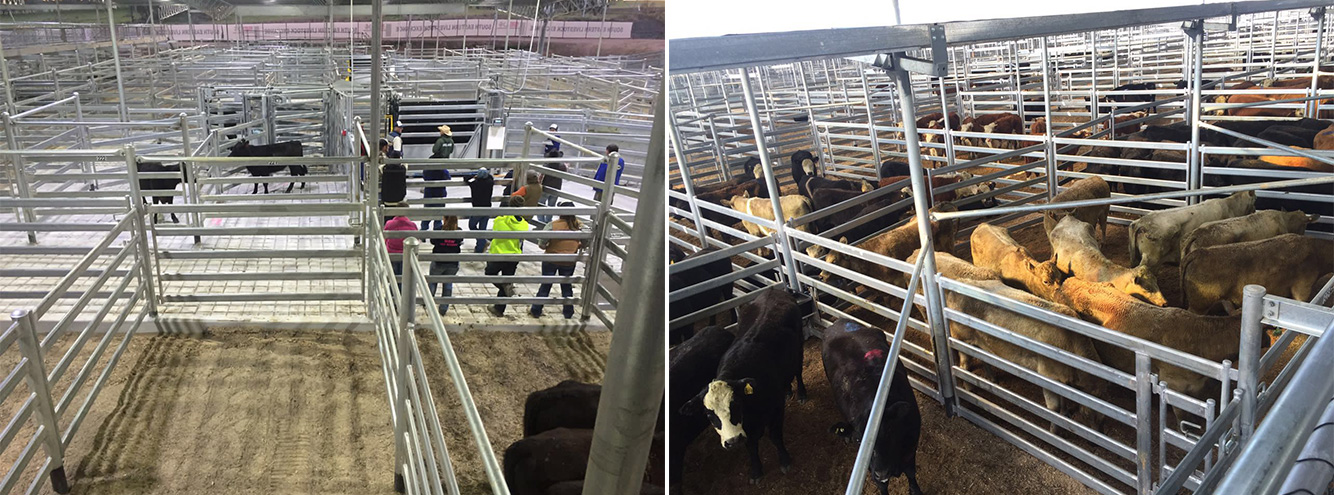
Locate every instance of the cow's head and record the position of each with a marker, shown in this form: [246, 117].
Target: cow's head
[241, 147]
[1144, 286]
[723, 403]
[806, 161]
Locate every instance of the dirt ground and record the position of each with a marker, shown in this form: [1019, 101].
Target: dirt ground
[246, 411]
[953, 457]
[501, 381]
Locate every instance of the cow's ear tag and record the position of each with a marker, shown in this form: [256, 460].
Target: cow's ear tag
[749, 390]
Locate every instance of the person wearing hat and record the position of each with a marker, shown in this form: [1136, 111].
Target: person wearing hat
[551, 144]
[482, 185]
[562, 268]
[443, 148]
[506, 223]
[396, 140]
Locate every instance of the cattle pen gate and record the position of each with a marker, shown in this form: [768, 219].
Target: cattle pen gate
[851, 97]
[88, 259]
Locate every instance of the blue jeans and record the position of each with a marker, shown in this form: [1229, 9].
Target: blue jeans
[479, 223]
[546, 200]
[445, 268]
[427, 223]
[398, 273]
[550, 269]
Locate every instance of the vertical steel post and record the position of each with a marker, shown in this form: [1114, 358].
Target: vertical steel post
[1053, 179]
[190, 19]
[921, 202]
[600, 228]
[948, 136]
[4, 72]
[634, 383]
[1143, 424]
[88, 167]
[1313, 106]
[870, 128]
[675, 136]
[377, 120]
[41, 389]
[1194, 167]
[115, 53]
[23, 214]
[147, 257]
[602, 29]
[403, 348]
[1248, 360]
[1273, 47]
[771, 182]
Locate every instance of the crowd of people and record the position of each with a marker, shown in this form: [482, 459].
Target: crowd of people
[536, 189]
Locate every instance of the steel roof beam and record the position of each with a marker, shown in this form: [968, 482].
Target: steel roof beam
[746, 50]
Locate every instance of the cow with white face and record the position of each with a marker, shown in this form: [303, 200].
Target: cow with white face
[748, 396]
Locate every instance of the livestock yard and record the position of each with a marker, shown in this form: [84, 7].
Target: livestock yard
[195, 226]
[1156, 334]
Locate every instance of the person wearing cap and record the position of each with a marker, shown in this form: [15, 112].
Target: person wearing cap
[551, 144]
[396, 143]
[562, 268]
[601, 176]
[443, 148]
[505, 223]
[482, 185]
[551, 183]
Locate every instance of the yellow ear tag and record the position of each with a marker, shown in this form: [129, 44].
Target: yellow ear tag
[749, 390]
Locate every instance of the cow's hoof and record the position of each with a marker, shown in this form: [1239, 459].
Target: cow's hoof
[754, 481]
[785, 469]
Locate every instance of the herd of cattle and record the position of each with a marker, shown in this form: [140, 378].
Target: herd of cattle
[738, 381]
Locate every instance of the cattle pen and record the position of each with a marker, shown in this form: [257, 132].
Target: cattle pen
[274, 326]
[1165, 418]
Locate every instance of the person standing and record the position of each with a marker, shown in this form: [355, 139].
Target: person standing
[445, 268]
[395, 245]
[482, 185]
[561, 268]
[550, 184]
[393, 178]
[551, 144]
[443, 148]
[601, 176]
[506, 223]
[396, 141]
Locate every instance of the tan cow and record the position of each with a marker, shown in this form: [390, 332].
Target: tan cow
[897, 243]
[993, 248]
[1083, 189]
[1262, 224]
[1287, 266]
[1077, 253]
[1156, 237]
[793, 206]
[1071, 342]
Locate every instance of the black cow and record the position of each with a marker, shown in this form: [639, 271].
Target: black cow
[691, 366]
[569, 404]
[748, 396]
[854, 358]
[535, 464]
[1128, 98]
[800, 162]
[288, 148]
[160, 184]
[680, 279]
[894, 168]
[577, 488]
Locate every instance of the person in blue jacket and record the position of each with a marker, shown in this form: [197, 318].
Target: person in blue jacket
[601, 176]
[551, 144]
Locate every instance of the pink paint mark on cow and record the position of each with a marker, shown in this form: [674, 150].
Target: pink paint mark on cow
[873, 355]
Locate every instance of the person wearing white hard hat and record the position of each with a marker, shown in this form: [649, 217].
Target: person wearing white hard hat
[551, 144]
[396, 141]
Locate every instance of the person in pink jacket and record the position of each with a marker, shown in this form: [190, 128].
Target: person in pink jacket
[395, 246]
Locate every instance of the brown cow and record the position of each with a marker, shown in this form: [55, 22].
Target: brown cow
[1087, 188]
[1287, 266]
[793, 206]
[897, 243]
